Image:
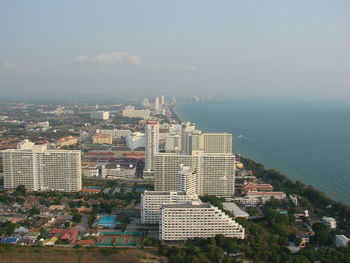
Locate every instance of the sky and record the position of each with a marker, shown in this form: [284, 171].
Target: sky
[273, 49]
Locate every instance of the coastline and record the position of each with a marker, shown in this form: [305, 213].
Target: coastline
[281, 177]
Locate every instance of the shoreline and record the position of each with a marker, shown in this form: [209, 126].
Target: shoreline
[283, 176]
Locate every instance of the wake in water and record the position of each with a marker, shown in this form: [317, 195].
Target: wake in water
[244, 137]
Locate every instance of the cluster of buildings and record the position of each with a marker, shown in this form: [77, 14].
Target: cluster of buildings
[38, 126]
[258, 194]
[194, 163]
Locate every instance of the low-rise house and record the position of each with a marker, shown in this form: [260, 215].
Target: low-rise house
[253, 187]
[302, 240]
[330, 222]
[341, 241]
[11, 240]
[69, 235]
[51, 241]
[84, 209]
[56, 208]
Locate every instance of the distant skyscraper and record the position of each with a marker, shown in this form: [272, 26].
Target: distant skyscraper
[162, 100]
[156, 104]
[40, 169]
[145, 103]
[152, 143]
[174, 99]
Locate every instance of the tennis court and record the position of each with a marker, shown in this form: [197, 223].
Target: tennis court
[119, 239]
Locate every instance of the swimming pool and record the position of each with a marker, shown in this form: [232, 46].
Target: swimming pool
[106, 221]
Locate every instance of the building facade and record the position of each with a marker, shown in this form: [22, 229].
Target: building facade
[99, 138]
[39, 169]
[179, 222]
[99, 115]
[130, 112]
[215, 172]
[151, 202]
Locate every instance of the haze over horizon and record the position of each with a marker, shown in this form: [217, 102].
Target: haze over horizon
[272, 49]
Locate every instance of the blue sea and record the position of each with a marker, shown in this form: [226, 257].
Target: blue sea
[309, 142]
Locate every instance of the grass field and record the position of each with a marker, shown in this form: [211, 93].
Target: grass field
[77, 255]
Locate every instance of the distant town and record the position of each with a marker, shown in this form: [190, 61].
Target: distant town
[133, 175]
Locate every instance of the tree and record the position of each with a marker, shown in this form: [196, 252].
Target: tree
[21, 189]
[76, 218]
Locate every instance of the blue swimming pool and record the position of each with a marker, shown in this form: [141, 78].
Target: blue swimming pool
[106, 221]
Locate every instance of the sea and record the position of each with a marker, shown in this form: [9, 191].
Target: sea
[309, 142]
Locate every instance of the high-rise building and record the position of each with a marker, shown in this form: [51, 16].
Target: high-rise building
[152, 143]
[179, 222]
[172, 143]
[186, 128]
[151, 202]
[208, 142]
[215, 172]
[40, 169]
[187, 180]
[162, 100]
[156, 104]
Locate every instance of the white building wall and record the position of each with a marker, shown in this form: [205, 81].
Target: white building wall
[151, 202]
[179, 222]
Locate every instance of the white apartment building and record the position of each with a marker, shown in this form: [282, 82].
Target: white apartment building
[187, 180]
[179, 222]
[40, 169]
[152, 143]
[99, 115]
[187, 127]
[172, 143]
[215, 172]
[130, 112]
[135, 140]
[115, 133]
[259, 198]
[151, 202]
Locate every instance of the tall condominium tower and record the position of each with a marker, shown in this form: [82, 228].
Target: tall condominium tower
[156, 104]
[152, 143]
[215, 172]
[40, 169]
[187, 180]
[186, 128]
[220, 142]
[162, 100]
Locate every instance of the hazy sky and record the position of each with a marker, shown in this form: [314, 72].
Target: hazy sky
[291, 49]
